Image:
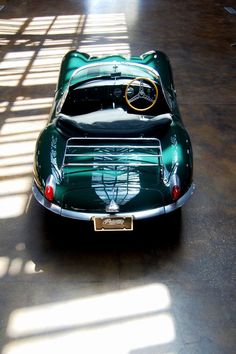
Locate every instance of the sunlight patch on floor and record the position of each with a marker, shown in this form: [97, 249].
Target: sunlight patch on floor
[105, 34]
[12, 206]
[18, 135]
[115, 323]
[16, 266]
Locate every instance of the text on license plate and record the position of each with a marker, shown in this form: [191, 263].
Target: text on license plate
[113, 223]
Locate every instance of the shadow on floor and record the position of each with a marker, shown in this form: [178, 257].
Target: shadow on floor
[53, 239]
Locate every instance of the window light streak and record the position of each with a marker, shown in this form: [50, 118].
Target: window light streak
[17, 144]
[110, 23]
[15, 128]
[45, 67]
[110, 17]
[39, 73]
[9, 74]
[15, 56]
[8, 77]
[19, 170]
[39, 117]
[15, 266]
[29, 268]
[13, 67]
[54, 52]
[120, 338]
[3, 106]
[104, 29]
[10, 80]
[19, 61]
[30, 136]
[43, 19]
[65, 23]
[4, 264]
[15, 185]
[41, 78]
[106, 49]
[17, 149]
[23, 165]
[16, 161]
[68, 24]
[22, 104]
[14, 64]
[12, 206]
[57, 42]
[119, 305]
[39, 25]
[11, 26]
[69, 18]
[4, 41]
[107, 20]
[27, 42]
[113, 37]
[117, 323]
[63, 30]
[54, 61]
[114, 30]
[46, 42]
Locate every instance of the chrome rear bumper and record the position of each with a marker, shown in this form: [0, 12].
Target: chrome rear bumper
[137, 215]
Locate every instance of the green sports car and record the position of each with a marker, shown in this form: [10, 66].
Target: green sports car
[115, 148]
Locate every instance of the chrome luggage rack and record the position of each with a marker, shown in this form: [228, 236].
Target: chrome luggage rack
[118, 152]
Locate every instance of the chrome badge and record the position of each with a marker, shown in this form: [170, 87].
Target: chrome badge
[113, 207]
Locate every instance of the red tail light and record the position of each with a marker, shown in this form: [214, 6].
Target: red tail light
[175, 193]
[49, 193]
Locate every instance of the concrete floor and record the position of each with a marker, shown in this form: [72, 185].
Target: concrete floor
[166, 288]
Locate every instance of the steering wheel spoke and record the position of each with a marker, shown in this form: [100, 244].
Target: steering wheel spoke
[134, 98]
[147, 98]
[147, 91]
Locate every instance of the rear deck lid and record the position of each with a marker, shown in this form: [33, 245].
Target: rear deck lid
[100, 172]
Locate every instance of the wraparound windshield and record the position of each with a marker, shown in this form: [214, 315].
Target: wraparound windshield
[102, 86]
[124, 70]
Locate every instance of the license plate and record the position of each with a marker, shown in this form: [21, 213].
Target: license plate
[113, 223]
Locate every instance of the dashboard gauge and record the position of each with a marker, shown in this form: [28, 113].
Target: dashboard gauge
[117, 92]
[130, 92]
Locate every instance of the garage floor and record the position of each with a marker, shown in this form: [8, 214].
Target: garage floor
[169, 287]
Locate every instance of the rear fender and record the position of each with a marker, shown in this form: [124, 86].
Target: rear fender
[49, 154]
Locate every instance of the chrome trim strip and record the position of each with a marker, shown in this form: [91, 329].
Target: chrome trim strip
[113, 146]
[97, 164]
[113, 155]
[88, 144]
[138, 215]
[113, 138]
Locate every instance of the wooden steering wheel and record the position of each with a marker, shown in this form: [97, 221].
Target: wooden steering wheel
[143, 91]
